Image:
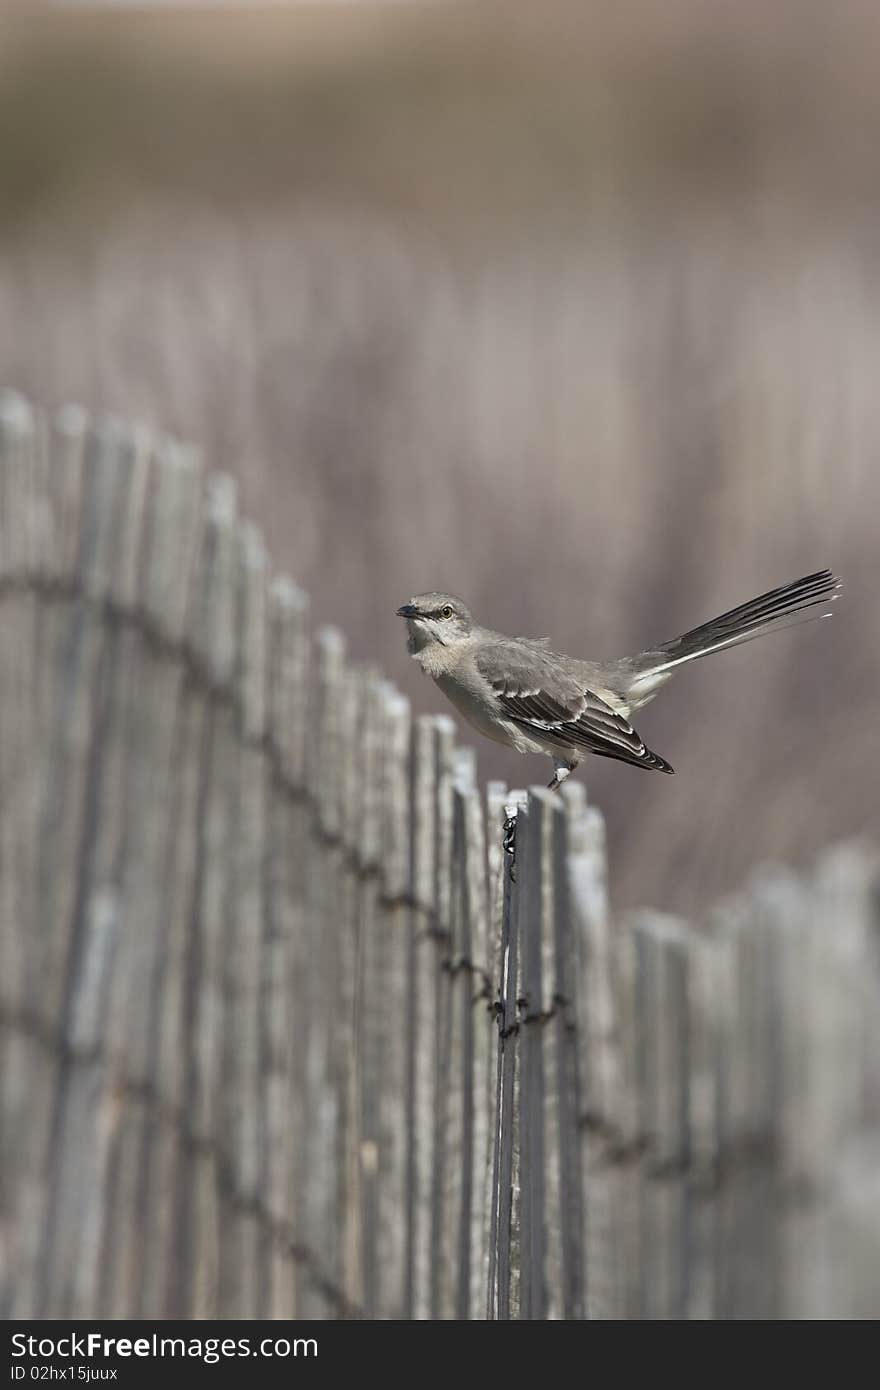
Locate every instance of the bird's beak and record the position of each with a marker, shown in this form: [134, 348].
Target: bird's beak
[408, 610]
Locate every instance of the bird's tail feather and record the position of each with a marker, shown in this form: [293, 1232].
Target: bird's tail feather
[766, 613]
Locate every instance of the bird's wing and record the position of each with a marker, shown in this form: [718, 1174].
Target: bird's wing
[538, 694]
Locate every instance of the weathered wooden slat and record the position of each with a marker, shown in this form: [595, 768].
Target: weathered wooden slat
[446, 1130]
[95, 1103]
[70, 649]
[421, 1018]
[165, 1156]
[205, 1277]
[750, 1060]
[19, 506]
[163, 876]
[175, 594]
[830, 1242]
[22, 768]
[35, 807]
[329, 984]
[504, 1285]
[355, 1048]
[284, 970]
[452, 1130]
[244, 1276]
[361, 1027]
[419, 1023]
[661, 958]
[704, 1173]
[26, 1077]
[142, 715]
[391, 1004]
[569, 1102]
[290, 648]
[496, 861]
[445, 756]
[599, 1065]
[86, 1120]
[279, 1082]
[535, 907]
[68, 436]
[476, 984]
[624, 1131]
[288, 964]
[465, 1137]
[20, 771]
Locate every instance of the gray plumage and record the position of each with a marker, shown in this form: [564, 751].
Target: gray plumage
[519, 692]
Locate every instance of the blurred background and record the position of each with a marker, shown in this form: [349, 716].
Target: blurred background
[572, 310]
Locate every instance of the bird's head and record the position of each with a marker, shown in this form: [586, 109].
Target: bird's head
[435, 618]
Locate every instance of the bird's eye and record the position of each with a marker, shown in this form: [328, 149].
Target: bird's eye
[447, 612]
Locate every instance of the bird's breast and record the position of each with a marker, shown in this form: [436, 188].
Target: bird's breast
[476, 706]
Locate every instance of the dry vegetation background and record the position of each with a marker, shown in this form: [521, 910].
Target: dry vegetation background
[574, 312]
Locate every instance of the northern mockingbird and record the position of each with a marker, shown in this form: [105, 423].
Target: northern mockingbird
[520, 693]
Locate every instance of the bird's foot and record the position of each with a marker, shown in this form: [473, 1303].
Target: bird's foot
[561, 770]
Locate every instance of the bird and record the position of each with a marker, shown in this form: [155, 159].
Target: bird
[519, 692]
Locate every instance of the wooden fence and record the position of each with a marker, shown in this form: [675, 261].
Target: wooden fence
[283, 1035]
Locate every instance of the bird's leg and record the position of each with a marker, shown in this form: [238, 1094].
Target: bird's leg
[562, 769]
